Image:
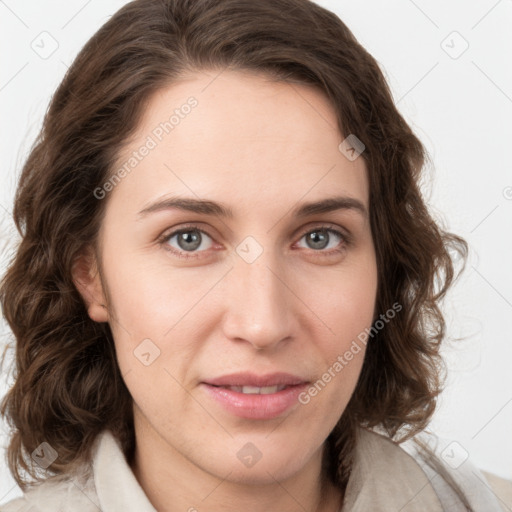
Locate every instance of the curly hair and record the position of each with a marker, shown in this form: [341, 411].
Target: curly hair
[67, 384]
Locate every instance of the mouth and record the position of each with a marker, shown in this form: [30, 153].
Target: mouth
[256, 402]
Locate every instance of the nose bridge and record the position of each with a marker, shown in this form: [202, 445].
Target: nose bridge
[259, 309]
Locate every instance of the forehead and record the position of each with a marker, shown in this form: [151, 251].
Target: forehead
[242, 135]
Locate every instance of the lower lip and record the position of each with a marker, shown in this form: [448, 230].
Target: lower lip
[253, 406]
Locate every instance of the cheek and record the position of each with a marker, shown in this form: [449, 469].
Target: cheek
[158, 315]
[149, 299]
[344, 301]
[347, 310]
[329, 394]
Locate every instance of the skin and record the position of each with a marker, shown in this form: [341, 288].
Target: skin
[262, 148]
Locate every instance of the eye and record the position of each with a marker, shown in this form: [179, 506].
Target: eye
[325, 237]
[187, 240]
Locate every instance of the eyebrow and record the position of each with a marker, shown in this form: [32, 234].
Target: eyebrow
[206, 207]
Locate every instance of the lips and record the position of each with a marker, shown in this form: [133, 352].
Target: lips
[255, 406]
[257, 397]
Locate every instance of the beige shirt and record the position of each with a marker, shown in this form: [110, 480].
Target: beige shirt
[385, 477]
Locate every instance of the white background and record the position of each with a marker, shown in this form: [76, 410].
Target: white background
[460, 108]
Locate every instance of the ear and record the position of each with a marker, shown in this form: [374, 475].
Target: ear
[88, 283]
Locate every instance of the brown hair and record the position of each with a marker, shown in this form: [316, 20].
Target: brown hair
[67, 385]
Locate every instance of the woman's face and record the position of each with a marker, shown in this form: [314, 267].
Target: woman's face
[270, 287]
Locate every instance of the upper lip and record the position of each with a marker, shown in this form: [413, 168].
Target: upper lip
[251, 379]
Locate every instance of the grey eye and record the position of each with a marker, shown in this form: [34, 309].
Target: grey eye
[320, 238]
[189, 240]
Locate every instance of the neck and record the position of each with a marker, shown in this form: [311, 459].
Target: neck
[174, 483]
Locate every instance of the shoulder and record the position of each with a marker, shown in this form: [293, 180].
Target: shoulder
[385, 477]
[457, 483]
[92, 487]
[16, 505]
[56, 493]
[502, 488]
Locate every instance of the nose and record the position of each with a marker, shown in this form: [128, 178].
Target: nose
[260, 307]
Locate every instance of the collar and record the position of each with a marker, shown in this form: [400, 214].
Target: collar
[385, 477]
[116, 485]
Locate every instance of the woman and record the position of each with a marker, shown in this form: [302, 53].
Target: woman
[226, 292]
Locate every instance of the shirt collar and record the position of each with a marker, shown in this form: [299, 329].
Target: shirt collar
[116, 485]
[385, 477]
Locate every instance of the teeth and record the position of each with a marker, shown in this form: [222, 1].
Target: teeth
[254, 390]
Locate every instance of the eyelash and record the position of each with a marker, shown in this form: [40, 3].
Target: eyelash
[346, 240]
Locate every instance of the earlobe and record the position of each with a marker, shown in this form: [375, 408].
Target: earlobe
[87, 280]
[98, 312]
